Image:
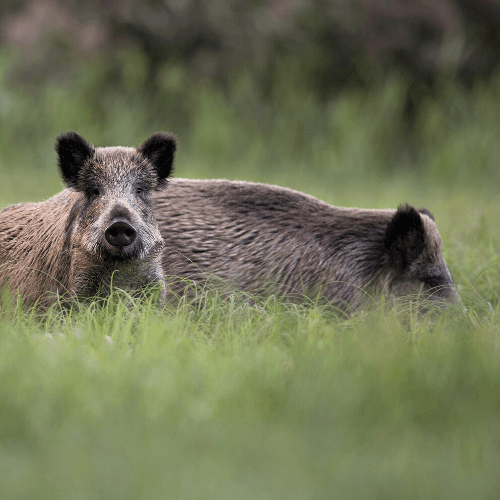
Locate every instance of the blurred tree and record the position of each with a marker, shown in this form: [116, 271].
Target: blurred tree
[326, 45]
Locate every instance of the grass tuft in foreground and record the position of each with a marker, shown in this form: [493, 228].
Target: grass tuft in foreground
[223, 399]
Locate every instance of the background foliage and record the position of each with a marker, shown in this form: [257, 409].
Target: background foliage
[350, 89]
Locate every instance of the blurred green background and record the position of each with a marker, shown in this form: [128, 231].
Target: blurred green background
[313, 94]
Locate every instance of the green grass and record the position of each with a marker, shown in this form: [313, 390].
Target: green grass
[266, 401]
[229, 400]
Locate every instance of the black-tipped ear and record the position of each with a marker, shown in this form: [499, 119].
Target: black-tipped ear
[426, 212]
[72, 151]
[159, 149]
[404, 238]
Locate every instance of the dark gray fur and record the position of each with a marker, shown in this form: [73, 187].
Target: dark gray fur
[58, 246]
[266, 240]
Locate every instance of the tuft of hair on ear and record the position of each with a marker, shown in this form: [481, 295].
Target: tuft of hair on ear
[72, 151]
[160, 149]
[405, 237]
[426, 212]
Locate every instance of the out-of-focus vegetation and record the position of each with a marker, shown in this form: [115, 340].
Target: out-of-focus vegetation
[228, 400]
[357, 137]
[342, 91]
[334, 43]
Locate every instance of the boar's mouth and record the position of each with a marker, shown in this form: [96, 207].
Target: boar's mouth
[137, 251]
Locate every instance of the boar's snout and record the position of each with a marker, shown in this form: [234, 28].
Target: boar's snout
[120, 234]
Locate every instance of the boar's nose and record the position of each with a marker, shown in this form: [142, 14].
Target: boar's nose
[120, 234]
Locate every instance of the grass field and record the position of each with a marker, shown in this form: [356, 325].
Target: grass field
[227, 400]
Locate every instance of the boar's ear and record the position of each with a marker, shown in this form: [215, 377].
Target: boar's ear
[159, 149]
[72, 150]
[404, 237]
[426, 212]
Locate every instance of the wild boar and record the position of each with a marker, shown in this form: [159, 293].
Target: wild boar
[264, 240]
[99, 232]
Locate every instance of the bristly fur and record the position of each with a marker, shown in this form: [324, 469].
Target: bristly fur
[73, 151]
[404, 238]
[160, 149]
[426, 212]
[58, 247]
[270, 240]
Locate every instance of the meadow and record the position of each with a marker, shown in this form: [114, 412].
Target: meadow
[223, 399]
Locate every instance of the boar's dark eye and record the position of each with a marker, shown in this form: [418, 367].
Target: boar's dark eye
[95, 192]
[138, 190]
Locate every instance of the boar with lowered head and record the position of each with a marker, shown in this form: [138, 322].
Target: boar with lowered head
[99, 232]
[267, 240]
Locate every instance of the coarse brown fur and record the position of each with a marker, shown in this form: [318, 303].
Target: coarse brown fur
[266, 240]
[62, 246]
